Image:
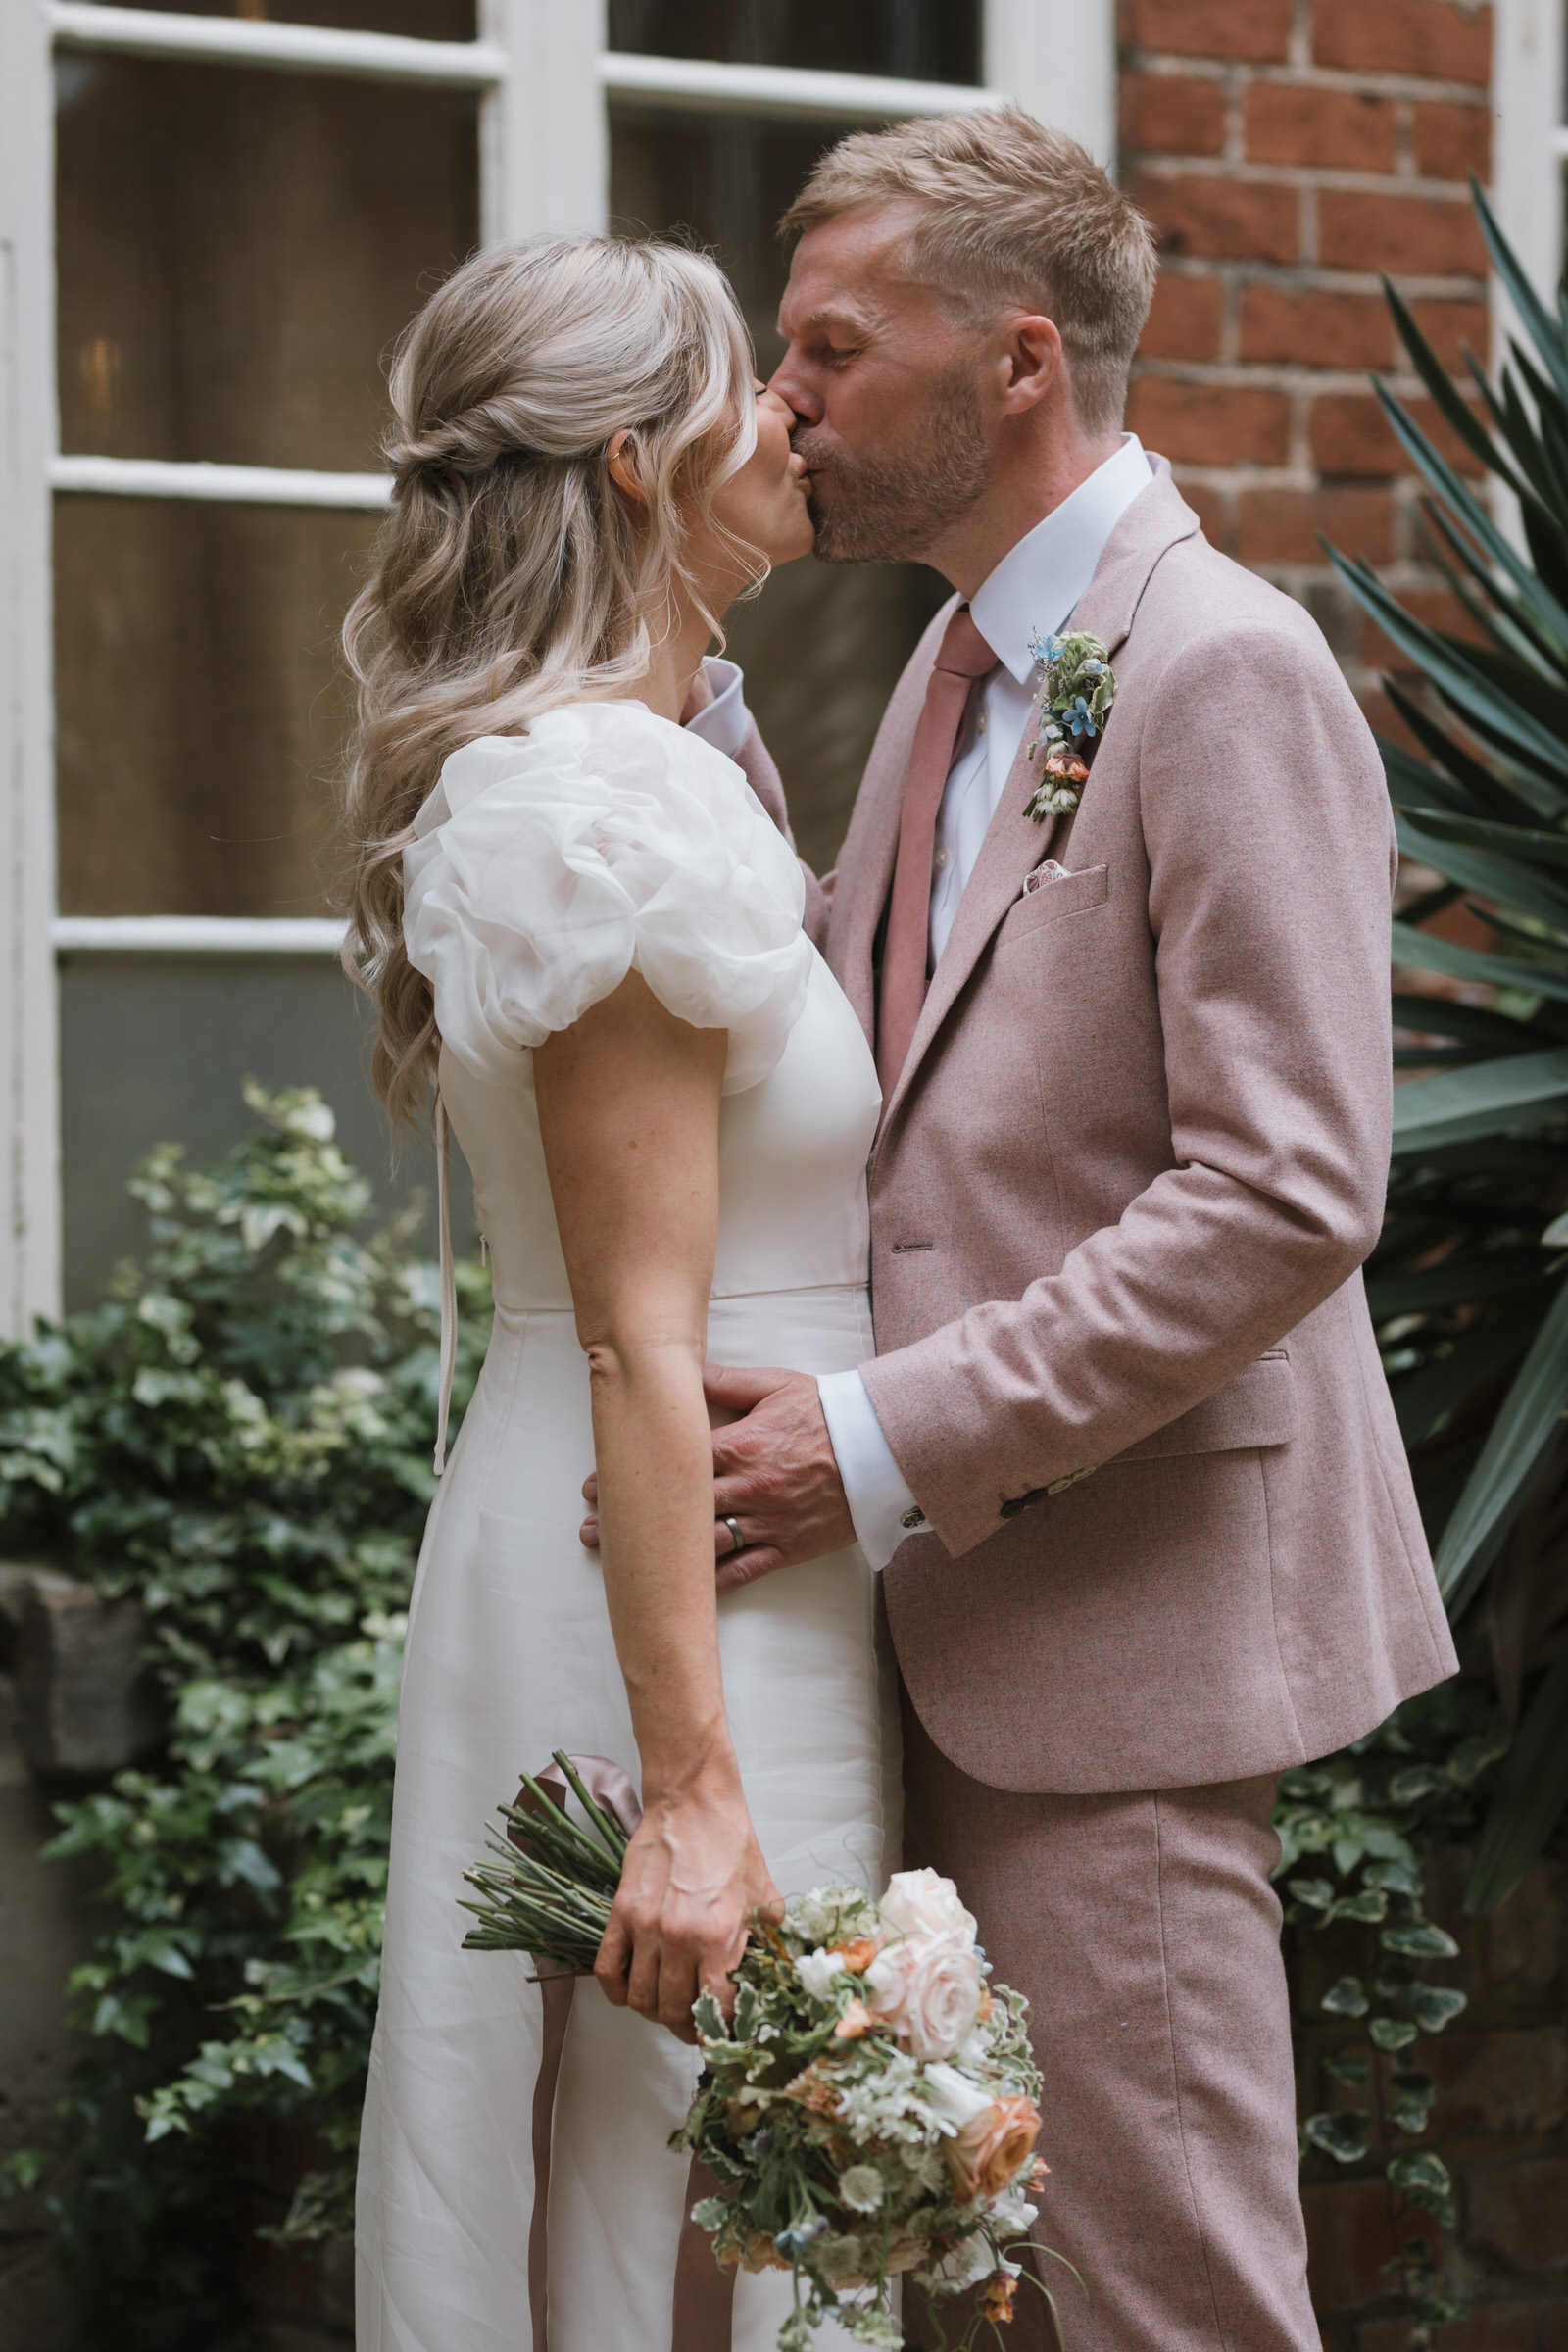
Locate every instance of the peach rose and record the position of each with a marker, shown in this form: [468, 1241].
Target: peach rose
[928, 1988]
[986, 2151]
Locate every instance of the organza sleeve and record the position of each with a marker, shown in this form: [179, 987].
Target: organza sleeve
[546, 868]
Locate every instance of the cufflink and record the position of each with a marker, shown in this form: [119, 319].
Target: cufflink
[914, 1517]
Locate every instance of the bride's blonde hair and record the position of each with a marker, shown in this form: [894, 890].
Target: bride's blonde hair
[511, 574]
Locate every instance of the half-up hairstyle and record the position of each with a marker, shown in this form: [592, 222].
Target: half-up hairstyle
[511, 574]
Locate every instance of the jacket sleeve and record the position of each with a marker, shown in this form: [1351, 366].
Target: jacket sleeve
[1269, 844]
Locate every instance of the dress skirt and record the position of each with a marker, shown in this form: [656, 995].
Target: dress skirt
[509, 1656]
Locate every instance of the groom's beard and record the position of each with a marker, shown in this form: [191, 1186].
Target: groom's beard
[890, 507]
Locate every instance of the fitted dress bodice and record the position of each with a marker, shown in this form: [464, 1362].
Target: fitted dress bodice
[791, 1153]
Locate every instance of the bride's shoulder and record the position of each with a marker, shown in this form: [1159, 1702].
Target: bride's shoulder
[546, 865]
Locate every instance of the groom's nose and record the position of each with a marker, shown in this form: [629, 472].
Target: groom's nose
[791, 380]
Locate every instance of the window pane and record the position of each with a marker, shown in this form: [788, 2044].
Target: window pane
[824, 644]
[200, 704]
[423, 20]
[927, 40]
[237, 251]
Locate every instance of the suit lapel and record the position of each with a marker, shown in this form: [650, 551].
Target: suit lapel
[1014, 842]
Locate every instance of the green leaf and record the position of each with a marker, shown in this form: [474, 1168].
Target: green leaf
[1393, 2032]
[1419, 1939]
[1505, 880]
[1343, 2134]
[1316, 1895]
[1346, 2066]
[1346, 1999]
[1515, 1092]
[1527, 1423]
[1369, 1907]
[1434, 2006]
[1532, 1794]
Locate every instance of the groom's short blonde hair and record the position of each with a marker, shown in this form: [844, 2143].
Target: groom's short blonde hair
[1011, 214]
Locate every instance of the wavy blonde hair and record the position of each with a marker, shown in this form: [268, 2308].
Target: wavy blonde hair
[512, 575]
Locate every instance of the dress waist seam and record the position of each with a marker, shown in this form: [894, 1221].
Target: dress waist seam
[807, 1290]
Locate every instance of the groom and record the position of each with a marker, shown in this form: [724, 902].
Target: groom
[1125, 1447]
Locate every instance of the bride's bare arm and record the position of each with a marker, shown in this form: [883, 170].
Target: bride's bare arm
[629, 1110]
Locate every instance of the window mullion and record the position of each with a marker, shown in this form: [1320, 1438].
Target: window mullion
[1059, 59]
[281, 48]
[545, 162]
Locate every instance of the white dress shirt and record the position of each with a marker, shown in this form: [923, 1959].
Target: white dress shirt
[1031, 593]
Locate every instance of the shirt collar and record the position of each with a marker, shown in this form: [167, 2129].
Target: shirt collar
[1038, 582]
[725, 720]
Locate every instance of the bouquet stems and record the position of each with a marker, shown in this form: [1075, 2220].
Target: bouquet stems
[549, 1884]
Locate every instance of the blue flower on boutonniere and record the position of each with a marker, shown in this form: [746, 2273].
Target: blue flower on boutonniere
[1075, 690]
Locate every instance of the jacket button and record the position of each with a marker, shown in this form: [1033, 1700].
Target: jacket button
[1021, 1502]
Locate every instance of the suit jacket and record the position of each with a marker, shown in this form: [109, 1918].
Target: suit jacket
[1119, 1203]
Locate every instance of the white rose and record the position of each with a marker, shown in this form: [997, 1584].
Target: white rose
[951, 2099]
[1011, 2212]
[919, 1903]
[928, 1988]
[816, 1971]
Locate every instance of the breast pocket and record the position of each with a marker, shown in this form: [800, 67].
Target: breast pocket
[1053, 901]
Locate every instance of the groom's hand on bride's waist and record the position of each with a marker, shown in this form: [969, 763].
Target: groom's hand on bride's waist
[775, 1476]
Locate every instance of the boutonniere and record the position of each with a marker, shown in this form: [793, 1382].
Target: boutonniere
[1074, 694]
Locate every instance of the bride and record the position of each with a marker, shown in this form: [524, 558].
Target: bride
[582, 928]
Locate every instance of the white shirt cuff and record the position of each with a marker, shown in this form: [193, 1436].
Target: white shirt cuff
[881, 1505]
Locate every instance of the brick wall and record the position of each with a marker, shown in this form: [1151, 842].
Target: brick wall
[1287, 151]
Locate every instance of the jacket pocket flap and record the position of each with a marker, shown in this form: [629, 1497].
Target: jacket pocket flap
[1072, 894]
[1255, 1408]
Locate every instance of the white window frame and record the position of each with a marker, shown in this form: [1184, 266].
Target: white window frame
[545, 79]
[1529, 147]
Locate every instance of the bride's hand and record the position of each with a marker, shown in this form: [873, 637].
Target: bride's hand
[693, 1878]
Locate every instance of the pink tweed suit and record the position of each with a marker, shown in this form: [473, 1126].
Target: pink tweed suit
[1119, 1203]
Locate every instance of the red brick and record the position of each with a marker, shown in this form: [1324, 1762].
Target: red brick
[1254, 32]
[1507, 2080]
[1446, 39]
[1449, 325]
[1451, 139]
[1210, 424]
[1314, 328]
[1165, 114]
[1184, 321]
[1287, 124]
[1426, 236]
[1349, 438]
[1282, 526]
[1213, 510]
[1233, 220]
[1493, 2327]
[1348, 2241]
[1521, 2211]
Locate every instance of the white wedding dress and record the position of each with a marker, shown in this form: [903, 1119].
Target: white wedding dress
[545, 867]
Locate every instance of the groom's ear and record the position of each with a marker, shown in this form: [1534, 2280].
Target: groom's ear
[1031, 362]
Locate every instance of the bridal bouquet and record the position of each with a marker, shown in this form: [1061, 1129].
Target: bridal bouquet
[870, 2106]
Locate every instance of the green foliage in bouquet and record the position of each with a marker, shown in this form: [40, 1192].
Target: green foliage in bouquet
[239, 1439]
[1469, 1288]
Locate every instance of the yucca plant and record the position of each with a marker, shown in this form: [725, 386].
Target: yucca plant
[1469, 1287]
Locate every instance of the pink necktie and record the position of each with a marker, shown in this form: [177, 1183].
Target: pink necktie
[906, 956]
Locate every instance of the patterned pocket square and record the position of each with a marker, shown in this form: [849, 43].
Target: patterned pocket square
[1050, 871]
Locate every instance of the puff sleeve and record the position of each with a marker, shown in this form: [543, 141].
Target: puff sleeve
[545, 867]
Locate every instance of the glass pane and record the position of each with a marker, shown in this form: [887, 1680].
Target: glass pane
[824, 644]
[423, 20]
[237, 251]
[200, 704]
[157, 1048]
[927, 40]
